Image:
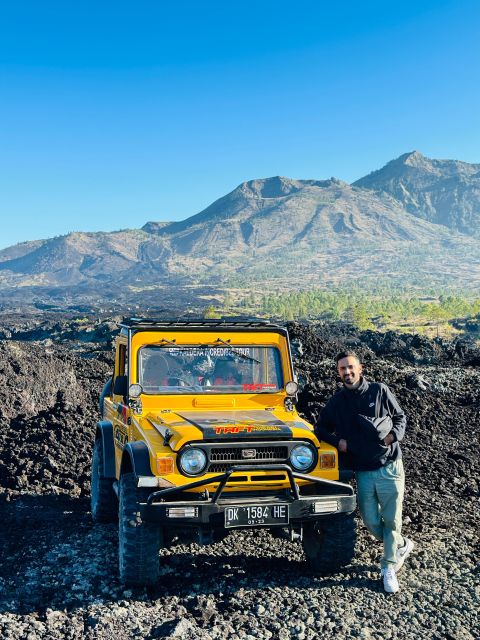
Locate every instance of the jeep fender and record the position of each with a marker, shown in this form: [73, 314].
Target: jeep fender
[136, 458]
[105, 433]
[106, 391]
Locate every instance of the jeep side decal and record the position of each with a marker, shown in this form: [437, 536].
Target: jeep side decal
[121, 436]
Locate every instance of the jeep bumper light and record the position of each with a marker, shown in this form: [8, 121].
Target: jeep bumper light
[182, 512]
[302, 457]
[327, 506]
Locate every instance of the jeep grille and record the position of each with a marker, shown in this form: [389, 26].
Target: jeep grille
[221, 458]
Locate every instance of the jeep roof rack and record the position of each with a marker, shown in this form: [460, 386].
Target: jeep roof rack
[200, 323]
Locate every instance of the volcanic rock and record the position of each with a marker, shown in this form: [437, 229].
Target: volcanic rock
[58, 576]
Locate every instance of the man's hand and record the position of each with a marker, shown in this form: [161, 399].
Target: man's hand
[387, 441]
[342, 445]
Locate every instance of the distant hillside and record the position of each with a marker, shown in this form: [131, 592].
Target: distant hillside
[441, 191]
[79, 257]
[274, 232]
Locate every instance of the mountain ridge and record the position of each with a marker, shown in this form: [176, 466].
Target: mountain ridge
[444, 192]
[328, 229]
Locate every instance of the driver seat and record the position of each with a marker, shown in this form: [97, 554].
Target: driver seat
[225, 373]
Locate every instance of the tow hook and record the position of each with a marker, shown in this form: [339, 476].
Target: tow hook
[296, 535]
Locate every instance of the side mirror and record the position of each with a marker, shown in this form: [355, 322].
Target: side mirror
[291, 388]
[120, 386]
[135, 391]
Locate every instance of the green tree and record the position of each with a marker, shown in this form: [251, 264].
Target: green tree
[360, 317]
[211, 312]
[228, 300]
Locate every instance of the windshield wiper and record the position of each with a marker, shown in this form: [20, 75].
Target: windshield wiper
[173, 343]
[237, 352]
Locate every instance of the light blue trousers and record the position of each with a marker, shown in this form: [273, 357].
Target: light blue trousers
[380, 499]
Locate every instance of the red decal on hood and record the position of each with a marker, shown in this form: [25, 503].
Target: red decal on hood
[240, 428]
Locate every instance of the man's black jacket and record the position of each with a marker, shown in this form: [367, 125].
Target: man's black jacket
[355, 415]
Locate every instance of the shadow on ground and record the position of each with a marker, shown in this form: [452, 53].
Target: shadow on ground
[55, 557]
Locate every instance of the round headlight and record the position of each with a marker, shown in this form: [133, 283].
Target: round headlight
[291, 388]
[301, 457]
[193, 461]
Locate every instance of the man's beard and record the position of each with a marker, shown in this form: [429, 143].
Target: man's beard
[351, 380]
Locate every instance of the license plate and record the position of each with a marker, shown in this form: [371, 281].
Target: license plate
[256, 515]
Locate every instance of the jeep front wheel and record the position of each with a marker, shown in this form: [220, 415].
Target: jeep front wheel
[103, 501]
[329, 544]
[139, 542]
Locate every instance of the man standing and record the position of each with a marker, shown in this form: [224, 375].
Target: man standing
[365, 422]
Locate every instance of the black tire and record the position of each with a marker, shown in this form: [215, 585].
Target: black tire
[103, 501]
[219, 535]
[139, 542]
[280, 533]
[329, 544]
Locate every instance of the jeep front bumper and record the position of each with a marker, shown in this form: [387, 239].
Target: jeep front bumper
[266, 510]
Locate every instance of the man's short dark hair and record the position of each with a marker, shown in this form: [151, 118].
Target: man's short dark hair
[346, 354]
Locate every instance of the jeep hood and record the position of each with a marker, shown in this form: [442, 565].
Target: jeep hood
[223, 426]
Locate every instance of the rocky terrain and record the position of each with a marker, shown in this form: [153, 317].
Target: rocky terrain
[416, 219]
[58, 574]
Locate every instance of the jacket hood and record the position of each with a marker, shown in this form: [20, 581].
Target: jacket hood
[379, 427]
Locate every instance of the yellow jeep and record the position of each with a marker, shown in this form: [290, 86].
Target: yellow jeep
[199, 435]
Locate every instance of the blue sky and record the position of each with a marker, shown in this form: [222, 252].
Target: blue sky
[116, 113]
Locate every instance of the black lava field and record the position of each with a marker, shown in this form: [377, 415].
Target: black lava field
[58, 571]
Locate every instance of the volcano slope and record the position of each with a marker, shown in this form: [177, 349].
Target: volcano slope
[58, 572]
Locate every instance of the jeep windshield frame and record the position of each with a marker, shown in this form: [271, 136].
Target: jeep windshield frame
[207, 369]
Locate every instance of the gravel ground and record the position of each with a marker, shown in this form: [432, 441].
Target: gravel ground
[58, 571]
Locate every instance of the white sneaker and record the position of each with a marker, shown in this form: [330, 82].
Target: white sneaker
[390, 582]
[403, 553]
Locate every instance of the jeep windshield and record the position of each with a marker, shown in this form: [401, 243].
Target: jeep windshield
[209, 369]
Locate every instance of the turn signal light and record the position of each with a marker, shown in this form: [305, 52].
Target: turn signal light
[327, 461]
[165, 466]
